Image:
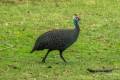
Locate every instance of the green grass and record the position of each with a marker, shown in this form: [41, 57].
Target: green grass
[98, 44]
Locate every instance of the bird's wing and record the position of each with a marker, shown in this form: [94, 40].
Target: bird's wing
[52, 38]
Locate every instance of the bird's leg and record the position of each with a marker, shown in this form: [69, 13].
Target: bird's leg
[43, 60]
[62, 56]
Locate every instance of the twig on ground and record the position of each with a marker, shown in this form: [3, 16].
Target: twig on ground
[102, 70]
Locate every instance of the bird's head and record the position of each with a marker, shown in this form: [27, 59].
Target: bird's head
[76, 19]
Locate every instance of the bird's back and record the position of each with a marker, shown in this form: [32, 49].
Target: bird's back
[58, 39]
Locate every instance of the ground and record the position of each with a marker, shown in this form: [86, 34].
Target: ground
[98, 45]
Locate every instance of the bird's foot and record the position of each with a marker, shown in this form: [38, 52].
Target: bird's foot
[43, 61]
[65, 62]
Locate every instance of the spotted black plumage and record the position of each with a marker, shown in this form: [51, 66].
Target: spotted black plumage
[59, 39]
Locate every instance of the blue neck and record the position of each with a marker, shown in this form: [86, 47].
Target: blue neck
[76, 29]
[76, 24]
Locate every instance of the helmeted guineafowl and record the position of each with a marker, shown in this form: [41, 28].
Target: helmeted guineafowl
[58, 39]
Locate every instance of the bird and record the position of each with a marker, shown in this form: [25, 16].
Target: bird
[58, 39]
